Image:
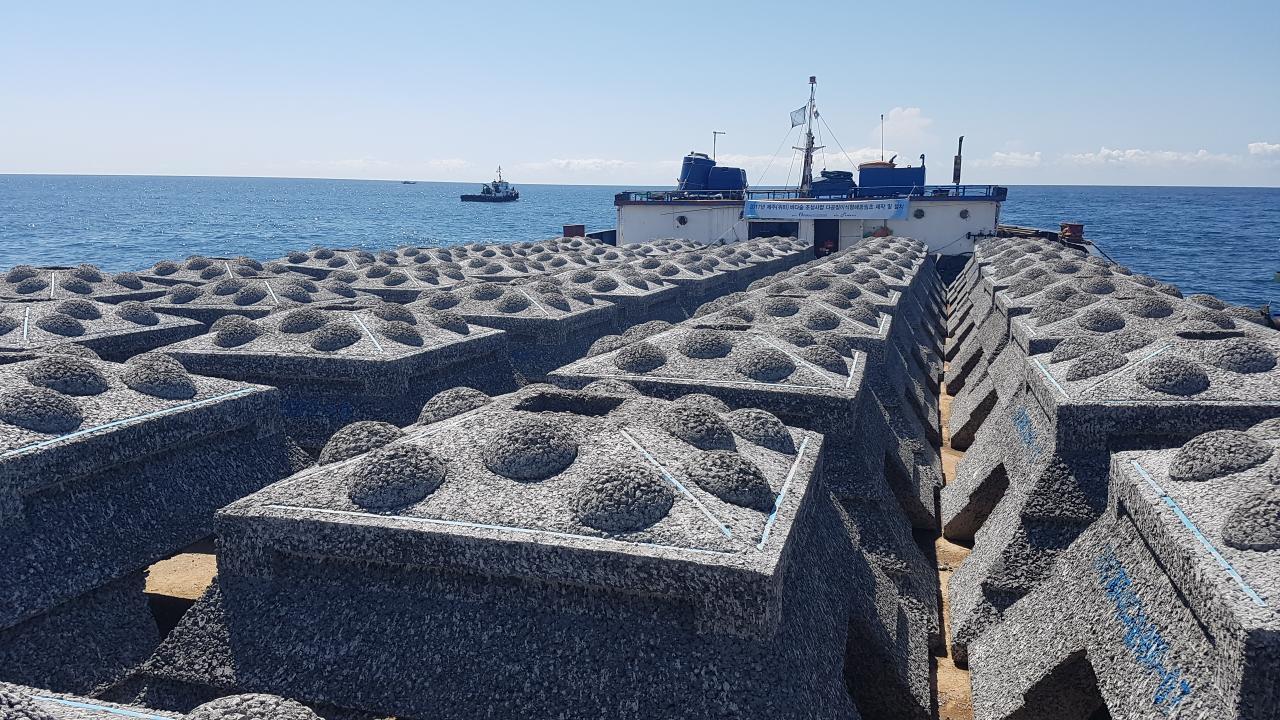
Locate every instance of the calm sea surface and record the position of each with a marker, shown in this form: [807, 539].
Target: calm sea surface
[1224, 241]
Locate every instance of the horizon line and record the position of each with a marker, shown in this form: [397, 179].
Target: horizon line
[638, 185]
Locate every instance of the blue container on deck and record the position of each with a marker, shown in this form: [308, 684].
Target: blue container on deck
[694, 171]
[727, 179]
[885, 178]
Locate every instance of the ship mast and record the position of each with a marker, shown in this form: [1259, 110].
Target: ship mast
[806, 174]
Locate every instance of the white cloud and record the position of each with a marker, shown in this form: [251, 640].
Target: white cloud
[903, 126]
[448, 164]
[1264, 148]
[1138, 157]
[363, 163]
[1011, 160]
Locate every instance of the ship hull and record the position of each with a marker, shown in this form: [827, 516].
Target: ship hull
[488, 198]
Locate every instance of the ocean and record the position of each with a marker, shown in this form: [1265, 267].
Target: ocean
[1223, 241]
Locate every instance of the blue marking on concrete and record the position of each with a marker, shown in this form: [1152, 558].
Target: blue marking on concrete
[486, 526]
[368, 332]
[122, 421]
[1142, 637]
[1195, 531]
[852, 369]
[1026, 430]
[679, 485]
[786, 485]
[90, 706]
[1044, 371]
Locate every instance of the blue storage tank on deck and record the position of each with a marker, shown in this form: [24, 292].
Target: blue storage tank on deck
[694, 171]
[727, 179]
[832, 183]
[895, 180]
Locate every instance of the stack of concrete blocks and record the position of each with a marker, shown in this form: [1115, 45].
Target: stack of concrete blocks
[545, 325]
[639, 296]
[797, 361]
[104, 470]
[1104, 363]
[1049, 285]
[253, 297]
[114, 332]
[547, 554]
[1165, 607]
[24, 282]
[337, 366]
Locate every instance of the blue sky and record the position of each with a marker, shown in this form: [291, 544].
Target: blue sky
[1085, 92]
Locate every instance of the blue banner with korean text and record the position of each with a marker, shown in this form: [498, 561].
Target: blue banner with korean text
[884, 209]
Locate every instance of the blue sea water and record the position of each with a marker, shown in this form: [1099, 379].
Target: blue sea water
[1224, 241]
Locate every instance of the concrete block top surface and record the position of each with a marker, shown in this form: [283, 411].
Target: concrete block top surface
[595, 489]
[50, 322]
[263, 294]
[24, 282]
[1163, 371]
[1210, 511]
[63, 415]
[199, 269]
[543, 300]
[722, 350]
[319, 339]
[624, 281]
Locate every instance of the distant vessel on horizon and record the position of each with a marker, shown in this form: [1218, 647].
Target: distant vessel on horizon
[497, 191]
[408, 182]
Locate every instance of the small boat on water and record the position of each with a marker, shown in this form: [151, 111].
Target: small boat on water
[497, 191]
[408, 182]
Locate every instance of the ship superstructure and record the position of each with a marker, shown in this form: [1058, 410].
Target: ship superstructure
[713, 204]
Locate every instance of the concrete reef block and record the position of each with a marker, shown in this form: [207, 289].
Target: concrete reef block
[86, 282]
[160, 447]
[253, 297]
[338, 366]
[544, 329]
[114, 332]
[1173, 594]
[638, 295]
[536, 535]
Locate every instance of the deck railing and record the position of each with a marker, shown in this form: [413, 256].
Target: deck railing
[956, 192]
[937, 192]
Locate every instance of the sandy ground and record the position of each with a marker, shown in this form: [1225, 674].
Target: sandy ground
[185, 575]
[954, 696]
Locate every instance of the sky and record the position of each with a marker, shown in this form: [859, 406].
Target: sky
[1114, 92]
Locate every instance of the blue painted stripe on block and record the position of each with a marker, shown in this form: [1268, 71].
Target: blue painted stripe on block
[786, 485]
[679, 485]
[1195, 531]
[102, 708]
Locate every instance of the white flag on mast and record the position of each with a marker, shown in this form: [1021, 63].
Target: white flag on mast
[797, 116]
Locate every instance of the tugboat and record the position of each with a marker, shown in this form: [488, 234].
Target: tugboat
[497, 191]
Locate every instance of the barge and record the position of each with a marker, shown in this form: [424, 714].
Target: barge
[668, 478]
